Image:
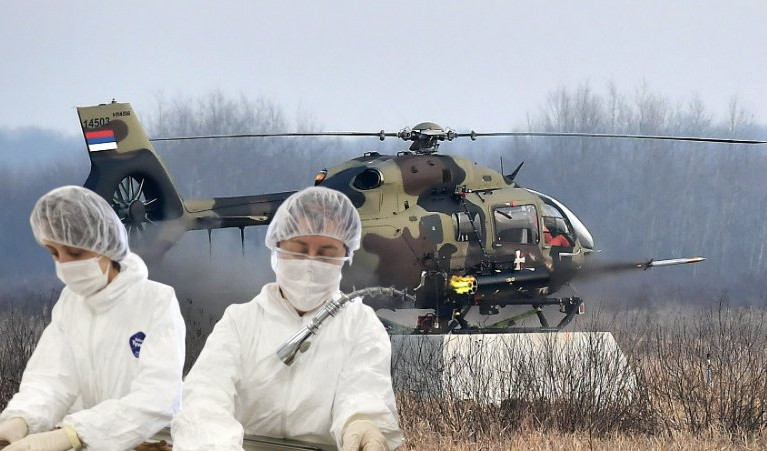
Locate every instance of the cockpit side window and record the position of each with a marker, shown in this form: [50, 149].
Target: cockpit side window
[554, 221]
[517, 225]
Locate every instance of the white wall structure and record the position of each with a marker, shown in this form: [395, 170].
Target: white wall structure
[500, 367]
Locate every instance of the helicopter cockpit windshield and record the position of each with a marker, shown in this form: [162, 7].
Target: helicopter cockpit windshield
[556, 217]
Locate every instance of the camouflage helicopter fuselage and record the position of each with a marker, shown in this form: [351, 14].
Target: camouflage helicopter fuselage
[432, 214]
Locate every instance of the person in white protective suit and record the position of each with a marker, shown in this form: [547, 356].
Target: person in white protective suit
[337, 392]
[106, 373]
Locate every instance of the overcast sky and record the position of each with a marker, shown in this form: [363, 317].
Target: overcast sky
[372, 65]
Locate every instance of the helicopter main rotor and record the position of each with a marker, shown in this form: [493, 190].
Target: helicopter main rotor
[427, 136]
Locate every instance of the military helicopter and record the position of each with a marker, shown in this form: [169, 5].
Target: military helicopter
[445, 233]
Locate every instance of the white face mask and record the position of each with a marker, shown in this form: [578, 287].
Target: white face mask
[84, 277]
[306, 283]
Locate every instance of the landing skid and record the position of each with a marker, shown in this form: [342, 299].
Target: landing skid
[569, 306]
[430, 324]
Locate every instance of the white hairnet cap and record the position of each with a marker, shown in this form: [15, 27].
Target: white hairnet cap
[77, 217]
[316, 211]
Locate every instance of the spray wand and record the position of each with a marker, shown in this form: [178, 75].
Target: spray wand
[298, 342]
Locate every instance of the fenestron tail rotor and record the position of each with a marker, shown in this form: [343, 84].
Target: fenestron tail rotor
[135, 205]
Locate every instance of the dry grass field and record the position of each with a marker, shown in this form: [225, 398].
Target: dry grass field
[698, 380]
[540, 440]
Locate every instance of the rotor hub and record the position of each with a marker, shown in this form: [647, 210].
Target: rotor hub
[137, 212]
[426, 136]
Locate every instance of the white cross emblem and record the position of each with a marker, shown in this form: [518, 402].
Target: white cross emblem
[519, 261]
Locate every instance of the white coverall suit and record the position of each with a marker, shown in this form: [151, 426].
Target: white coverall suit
[239, 385]
[114, 360]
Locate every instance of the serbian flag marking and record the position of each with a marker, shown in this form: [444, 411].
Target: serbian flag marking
[101, 140]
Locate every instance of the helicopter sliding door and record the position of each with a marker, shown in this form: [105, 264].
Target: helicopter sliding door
[515, 225]
[469, 238]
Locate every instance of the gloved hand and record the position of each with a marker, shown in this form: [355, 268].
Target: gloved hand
[363, 435]
[56, 440]
[12, 430]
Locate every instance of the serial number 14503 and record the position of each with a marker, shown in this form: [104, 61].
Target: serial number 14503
[97, 122]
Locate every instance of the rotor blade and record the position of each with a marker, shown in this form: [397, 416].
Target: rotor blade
[473, 135]
[140, 189]
[380, 135]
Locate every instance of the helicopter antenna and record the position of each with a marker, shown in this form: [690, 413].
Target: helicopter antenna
[513, 175]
